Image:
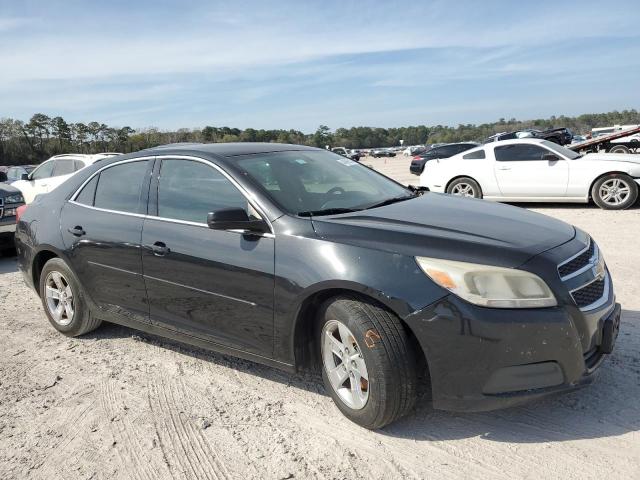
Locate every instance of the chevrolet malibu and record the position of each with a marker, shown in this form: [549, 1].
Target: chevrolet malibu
[300, 258]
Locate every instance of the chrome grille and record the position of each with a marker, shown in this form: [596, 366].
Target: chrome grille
[589, 294]
[586, 276]
[576, 264]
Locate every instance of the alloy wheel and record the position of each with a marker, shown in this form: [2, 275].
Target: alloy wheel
[345, 365]
[463, 190]
[614, 191]
[59, 297]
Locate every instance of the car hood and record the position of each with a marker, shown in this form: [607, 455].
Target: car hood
[613, 157]
[445, 226]
[6, 189]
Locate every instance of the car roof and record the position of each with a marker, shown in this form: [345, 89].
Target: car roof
[518, 140]
[227, 149]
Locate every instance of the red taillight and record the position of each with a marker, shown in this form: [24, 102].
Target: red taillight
[19, 211]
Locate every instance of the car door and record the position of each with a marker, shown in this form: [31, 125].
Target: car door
[38, 181]
[213, 284]
[529, 170]
[101, 227]
[63, 169]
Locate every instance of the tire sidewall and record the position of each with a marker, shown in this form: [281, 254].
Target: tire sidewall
[81, 310]
[477, 192]
[372, 358]
[631, 200]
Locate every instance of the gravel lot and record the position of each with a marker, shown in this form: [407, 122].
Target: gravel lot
[121, 404]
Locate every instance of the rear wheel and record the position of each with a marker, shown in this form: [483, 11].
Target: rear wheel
[619, 149]
[64, 301]
[465, 187]
[615, 191]
[368, 361]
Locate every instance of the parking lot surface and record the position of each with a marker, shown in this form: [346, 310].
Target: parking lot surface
[121, 404]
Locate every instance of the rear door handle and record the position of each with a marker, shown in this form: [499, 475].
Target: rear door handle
[77, 231]
[159, 249]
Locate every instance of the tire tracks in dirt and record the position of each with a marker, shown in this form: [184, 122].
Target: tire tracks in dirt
[182, 443]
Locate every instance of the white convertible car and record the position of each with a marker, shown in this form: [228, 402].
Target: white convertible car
[51, 173]
[534, 170]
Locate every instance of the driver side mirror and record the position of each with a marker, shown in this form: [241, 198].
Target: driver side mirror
[550, 157]
[24, 176]
[235, 219]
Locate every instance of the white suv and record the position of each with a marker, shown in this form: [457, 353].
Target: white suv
[53, 172]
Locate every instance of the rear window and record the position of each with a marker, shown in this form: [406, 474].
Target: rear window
[120, 187]
[87, 193]
[477, 155]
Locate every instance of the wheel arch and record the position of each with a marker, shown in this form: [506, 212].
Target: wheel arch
[613, 172]
[304, 340]
[41, 257]
[453, 179]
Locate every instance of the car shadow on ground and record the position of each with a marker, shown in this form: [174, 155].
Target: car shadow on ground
[8, 264]
[609, 407]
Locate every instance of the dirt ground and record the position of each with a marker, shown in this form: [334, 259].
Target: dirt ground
[118, 404]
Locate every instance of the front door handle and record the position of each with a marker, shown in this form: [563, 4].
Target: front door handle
[159, 249]
[504, 168]
[77, 231]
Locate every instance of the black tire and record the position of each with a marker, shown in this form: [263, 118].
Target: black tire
[626, 181]
[619, 149]
[476, 191]
[388, 353]
[82, 320]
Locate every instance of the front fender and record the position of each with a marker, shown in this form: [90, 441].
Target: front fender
[311, 268]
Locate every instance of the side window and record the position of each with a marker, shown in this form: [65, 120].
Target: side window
[477, 155]
[88, 192]
[519, 152]
[188, 190]
[120, 187]
[43, 171]
[11, 174]
[77, 165]
[63, 167]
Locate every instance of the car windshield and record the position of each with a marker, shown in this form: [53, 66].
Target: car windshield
[320, 183]
[570, 154]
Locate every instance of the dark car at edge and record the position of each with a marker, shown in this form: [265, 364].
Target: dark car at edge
[299, 258]
[10, 199]
[441, 151]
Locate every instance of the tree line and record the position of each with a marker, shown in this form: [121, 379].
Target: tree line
[43, 136]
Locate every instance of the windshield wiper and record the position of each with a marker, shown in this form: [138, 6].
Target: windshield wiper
[389, 201]
[328, 211]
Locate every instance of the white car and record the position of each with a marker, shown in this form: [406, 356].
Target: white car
[51, 173]
[535, 170]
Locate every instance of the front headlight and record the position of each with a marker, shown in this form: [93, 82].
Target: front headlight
[15, 198]
[489, 286]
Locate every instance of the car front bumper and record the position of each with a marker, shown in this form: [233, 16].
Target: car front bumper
[484, 359]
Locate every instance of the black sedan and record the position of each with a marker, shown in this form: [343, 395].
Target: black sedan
[10, 200]
[441, 151]
[300, 258]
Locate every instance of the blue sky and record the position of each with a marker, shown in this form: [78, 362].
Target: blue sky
[299, 64]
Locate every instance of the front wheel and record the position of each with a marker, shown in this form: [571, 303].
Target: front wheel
[64, 301]
[465, 187]
[615, 191]
[368, 361]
